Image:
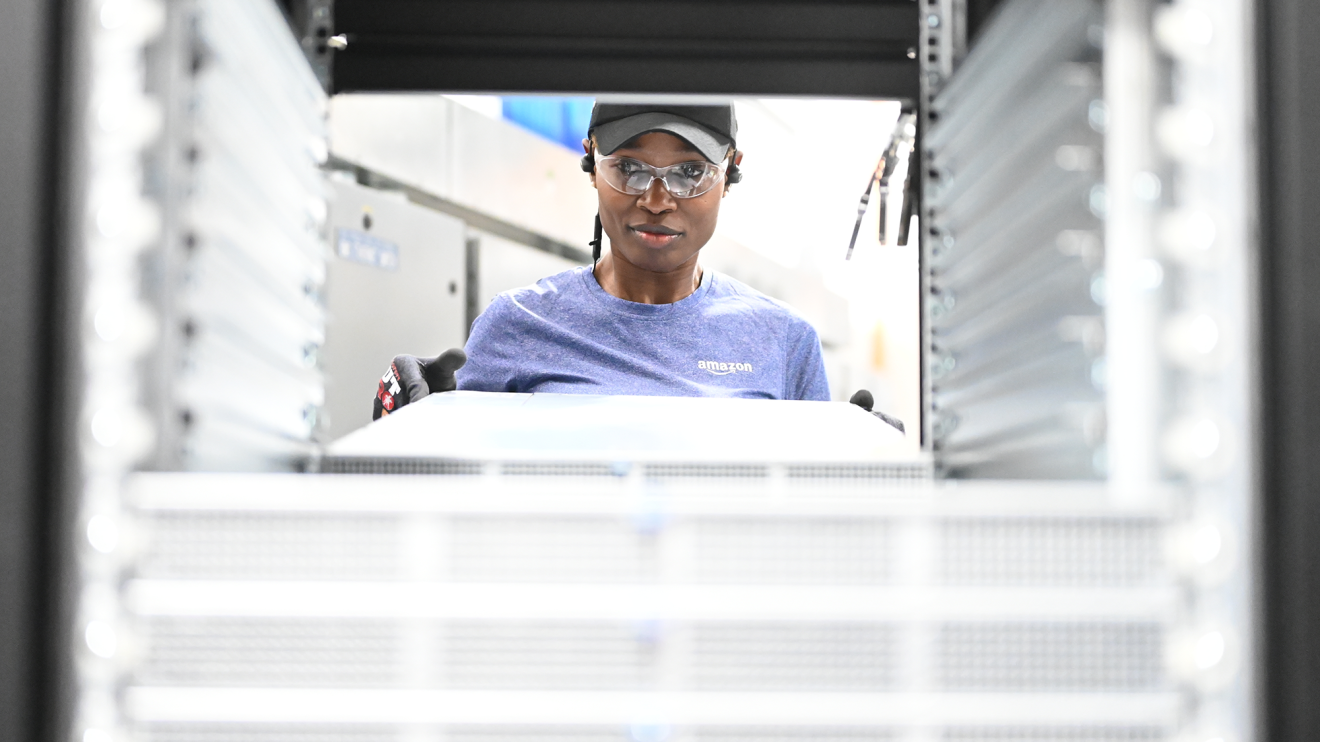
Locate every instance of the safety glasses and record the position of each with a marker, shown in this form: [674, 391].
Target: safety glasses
[684, 180]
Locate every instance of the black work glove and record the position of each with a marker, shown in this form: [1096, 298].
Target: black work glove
[410, 378]
[864, 400]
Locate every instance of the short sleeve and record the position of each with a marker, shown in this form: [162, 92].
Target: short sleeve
[492, 351]
[804, 373]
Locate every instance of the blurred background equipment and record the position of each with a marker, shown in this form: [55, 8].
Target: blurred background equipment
[1074, 552]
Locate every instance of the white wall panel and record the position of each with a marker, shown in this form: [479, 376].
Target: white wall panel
[402, 136]
[488, 164]
[507, 265]
[377, 312]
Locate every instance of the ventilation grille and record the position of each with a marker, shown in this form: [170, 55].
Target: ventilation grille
[859, 473]
[1022, 552]
[835, 552]
[792, 734]
[567, 733]
[769, 657]
[202, 545]
[562, 656]
[211, 732]
[389, 465]
[1050, 552]
[1049, 657]
[833, 475]
[562, 469]
[617, 655]
[269, 652]
[514, 655]
[1056, 734]
[551, 549]
[707, 471]
[538, 734]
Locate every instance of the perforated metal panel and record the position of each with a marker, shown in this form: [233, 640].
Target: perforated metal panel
[1056, 657]
[790, 734]
[185, 732]
[1095, 552]
[819, 552]
[536, 734]
[301, 733]
[1056, 734]
[270, 546]
[562, 603]
[793, 657]
[551, 549]
[569, 655]
[271, 652]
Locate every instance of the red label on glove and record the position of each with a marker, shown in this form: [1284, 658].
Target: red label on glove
[388, 387]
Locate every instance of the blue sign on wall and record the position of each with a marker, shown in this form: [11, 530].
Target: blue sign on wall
[366, 249]
[561, 120]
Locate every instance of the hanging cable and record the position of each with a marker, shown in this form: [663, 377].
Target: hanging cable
[861, 206]
[904, 137]
[595, 244]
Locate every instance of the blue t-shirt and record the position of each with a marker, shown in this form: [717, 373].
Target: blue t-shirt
[566, 334]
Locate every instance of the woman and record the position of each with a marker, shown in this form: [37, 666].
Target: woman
[645, 318]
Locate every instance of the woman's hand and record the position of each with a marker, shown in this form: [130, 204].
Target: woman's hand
[410, 378]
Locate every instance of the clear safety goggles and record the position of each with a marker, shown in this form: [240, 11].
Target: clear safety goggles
[684, 180]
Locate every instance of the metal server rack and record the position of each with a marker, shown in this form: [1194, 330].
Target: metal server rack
[1014, 252]
[234, 381]
[202, 257]
[1089, 257]
[507, 600]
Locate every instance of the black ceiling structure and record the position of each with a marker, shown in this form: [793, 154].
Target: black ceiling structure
[767, 47]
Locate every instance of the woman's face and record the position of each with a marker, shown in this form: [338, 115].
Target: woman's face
[655, 231]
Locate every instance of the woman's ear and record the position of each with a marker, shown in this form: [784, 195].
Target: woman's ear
[589, 161]
[733, 171]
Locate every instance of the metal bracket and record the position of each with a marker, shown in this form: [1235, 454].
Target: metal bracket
[942, 43]
[317, 21]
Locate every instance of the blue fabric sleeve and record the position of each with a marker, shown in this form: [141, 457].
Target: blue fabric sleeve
[492, 350]
[804, 373]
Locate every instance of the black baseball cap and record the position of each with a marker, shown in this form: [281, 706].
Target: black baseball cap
[711, 130]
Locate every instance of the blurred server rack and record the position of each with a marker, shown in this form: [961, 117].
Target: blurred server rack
[616, 600]
[202, 257]
[1089, 257]
[237, 279]
[1014, 209]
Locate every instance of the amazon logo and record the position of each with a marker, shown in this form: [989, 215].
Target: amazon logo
[723, 369]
